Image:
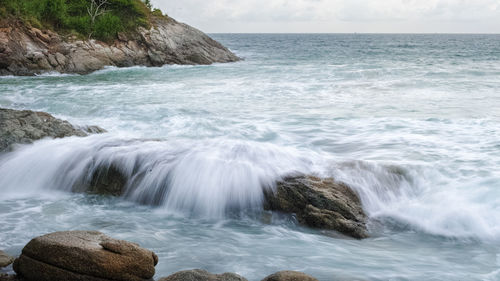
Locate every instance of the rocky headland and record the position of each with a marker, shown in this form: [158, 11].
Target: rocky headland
[26, 50]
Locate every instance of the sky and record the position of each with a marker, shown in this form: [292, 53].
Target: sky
[336, 16]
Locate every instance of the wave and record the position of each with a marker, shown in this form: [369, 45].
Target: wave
[213, 178]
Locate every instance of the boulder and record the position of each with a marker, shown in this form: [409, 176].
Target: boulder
[289, 276]
[84, 256]
[319, 203]
[5, 260]
[26, 126]
[202, 275]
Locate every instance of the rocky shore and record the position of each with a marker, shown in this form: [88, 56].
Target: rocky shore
[316, 202]
[25, 50]
[94, 256]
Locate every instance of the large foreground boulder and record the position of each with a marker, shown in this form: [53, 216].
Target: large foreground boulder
[5, 259]
[84, 256]
[319, 203]
[289, 276]
[202, 275]
[26, 126]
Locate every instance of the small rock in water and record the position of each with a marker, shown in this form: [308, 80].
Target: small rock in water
[202, 275]
[320, 203]
[26, 126]
[5, 260]
[289, 276]
[84, 255]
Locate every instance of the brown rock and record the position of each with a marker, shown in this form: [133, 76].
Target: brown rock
[319, 203]
[202, 275]
[85, 256]
[5, 259]
[289, 276]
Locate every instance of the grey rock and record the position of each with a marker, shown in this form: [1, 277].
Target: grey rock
[202, 275]
[84, 256]
[28, 51]
[319, 203]
[289, 276]
[5, 259]
[26, 126]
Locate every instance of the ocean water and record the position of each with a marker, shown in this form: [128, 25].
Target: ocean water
[411, 122]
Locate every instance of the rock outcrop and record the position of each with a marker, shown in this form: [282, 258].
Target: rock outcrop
[289, 276]
[26, 126]
[5, 260]
[202, 275]
[26, 50]
[84, 256]
[319, 203]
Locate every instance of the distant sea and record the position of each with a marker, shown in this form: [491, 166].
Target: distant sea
[411, 122]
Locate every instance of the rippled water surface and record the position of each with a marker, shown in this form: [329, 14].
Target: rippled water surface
[411, 122]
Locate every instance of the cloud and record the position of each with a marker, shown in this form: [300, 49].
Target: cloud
[334, 14]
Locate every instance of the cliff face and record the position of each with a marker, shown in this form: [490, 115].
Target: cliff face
[27, 51]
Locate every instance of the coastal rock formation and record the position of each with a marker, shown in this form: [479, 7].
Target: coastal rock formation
[25, 126]
[84, 255]
[5, 260]
[202, 275]
[289, 276]
[26, 50]
[319, 203]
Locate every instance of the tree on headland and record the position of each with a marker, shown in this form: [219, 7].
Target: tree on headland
[148, 4]
[96, 8]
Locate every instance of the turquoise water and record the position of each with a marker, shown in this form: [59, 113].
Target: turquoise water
[411, 122]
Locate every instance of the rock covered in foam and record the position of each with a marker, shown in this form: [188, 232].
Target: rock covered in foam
[84, 255]
[25, 126]
[202, 275]
[319, 203]
[289, 276]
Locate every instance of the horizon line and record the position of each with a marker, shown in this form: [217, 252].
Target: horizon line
[367, 33]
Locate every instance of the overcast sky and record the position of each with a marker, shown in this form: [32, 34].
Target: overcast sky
[393, 16]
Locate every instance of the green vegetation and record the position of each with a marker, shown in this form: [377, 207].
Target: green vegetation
[86, 18]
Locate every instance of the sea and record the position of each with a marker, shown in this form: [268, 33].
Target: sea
[411, 122]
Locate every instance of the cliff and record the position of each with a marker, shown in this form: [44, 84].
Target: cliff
[25, 50]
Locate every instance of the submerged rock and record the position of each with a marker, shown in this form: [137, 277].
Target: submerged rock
[84, 255]
[289, 276]
[319, 203]
[202, 275]
[7, 277]
[5, 260]
[25, 126]
[26, 50]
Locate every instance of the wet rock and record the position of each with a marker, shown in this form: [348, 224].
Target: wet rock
[202, 275]
[7, 277]
[5, 259]
[289, 276]
[84, 255]
[26, 50]
[107, 181]
[319, 203]
[26, 126]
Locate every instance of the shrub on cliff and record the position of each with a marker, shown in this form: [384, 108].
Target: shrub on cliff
[72, 16]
